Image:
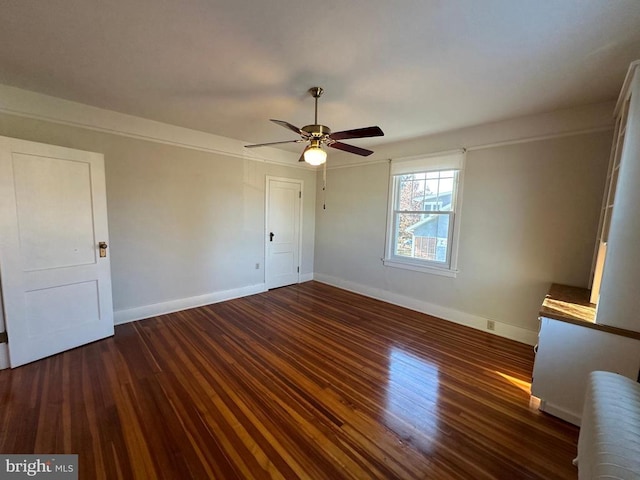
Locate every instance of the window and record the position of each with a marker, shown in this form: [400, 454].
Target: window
[424, 210]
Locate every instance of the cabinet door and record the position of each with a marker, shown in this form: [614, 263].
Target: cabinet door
[567, 353]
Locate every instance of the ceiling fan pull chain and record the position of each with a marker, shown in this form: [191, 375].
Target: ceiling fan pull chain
[324, 186]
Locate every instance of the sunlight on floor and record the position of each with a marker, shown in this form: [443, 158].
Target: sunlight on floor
[534, 402]
[521, 384]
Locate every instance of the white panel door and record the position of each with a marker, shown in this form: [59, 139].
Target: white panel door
[56, 287]
[284, 198]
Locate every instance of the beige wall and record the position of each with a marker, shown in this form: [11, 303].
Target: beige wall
[529, 218]
[182, 222]
[185, 223]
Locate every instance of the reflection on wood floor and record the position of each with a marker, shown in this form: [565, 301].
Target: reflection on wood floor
[306, 381]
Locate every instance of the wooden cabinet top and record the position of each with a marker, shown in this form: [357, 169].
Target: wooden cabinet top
[571, 304]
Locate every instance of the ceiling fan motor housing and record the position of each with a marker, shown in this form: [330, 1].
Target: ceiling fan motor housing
[316, 131]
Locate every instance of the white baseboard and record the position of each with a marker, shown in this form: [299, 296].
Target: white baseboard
[455, 316]
[147, 311]
[306, 277]
[559, 412]
[502, 329]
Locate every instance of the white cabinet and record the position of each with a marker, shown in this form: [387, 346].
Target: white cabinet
[567, 352]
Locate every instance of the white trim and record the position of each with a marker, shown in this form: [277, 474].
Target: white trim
[450, 268]
[153, 310]
[457, 226]
[4, 351]
[519, 334]
[306, 277]
[300, 183]
[412, 265]
[332, 165]
[24, 103]
[483, 146]
[450, 160]
[551, 409]
[15, 101]
[539, 138]
[586, 119]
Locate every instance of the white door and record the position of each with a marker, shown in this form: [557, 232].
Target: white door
[284, 199]
[56, 286]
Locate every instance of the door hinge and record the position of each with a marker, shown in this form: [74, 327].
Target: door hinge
[3, 337]
[299, 194]
[298, 269]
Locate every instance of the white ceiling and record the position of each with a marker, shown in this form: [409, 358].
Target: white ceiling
[413, 67]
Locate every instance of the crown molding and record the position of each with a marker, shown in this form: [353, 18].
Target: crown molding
[24, 103]
[581, 120]
[576, 121]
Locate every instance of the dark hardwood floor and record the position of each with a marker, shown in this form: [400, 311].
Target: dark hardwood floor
[306, 381]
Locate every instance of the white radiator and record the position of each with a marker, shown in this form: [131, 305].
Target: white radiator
[609, 441]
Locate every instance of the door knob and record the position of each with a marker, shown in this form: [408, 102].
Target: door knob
[271, 235]
[103, 248]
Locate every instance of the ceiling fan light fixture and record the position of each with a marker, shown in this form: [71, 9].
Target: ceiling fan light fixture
[318, 135]
[314, 155]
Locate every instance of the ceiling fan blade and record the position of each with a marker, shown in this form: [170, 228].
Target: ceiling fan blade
[357, 133]
[351, 149]
[301, 159]
[293, 128]
[273, 143]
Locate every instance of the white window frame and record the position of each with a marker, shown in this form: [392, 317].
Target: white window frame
[453, 160]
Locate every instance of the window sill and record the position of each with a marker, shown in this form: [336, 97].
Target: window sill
[444, 272]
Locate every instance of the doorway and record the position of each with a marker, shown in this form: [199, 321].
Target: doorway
[283, 231]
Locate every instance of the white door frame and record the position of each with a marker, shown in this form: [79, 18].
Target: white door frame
[300, 183]
[4, 351]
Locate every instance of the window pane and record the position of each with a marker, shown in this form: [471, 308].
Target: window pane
[432, 187]
[410, 192]
[434, 194]
[423, 237]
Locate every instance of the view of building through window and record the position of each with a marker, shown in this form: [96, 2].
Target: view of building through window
[423, 207]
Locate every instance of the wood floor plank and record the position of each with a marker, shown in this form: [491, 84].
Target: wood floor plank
[306, 381]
